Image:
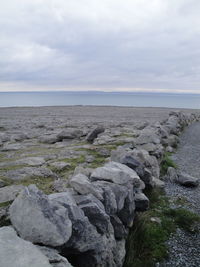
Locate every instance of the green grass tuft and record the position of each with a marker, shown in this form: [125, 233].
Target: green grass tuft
[184, 218]
[166, 162]
[146, 243]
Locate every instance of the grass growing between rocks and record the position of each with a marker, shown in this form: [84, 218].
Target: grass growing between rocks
[166, 162]
[98, 161]
[44, 184]
[146, 243]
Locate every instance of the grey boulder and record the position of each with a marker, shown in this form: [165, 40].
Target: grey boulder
[116, 173]
[69, 134]
[96, 214]
[38, 220]
[94, 133]
[82, 185]
[172, 174]
[148, 135]
[60, 165]
[187, 180]
[127, 157]
[15, 251]
[49, 139]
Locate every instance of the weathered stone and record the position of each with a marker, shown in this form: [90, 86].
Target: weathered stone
[109, 199]
[161, 130]
[94, 133]
[96, 215]
[19, 137]
[12, 147]
[84, 236]
[155, 150]
[55, 259]
[117, 173]
[158, 183]
[148, 135]
[126, 214]
[63, 198]
[89, 158]
[85, 171]
[120, 252]
[69, 134]
[4, 137]
[82, 185]
[173, 124]
[60, 185]
[149, 161]
[39, 220]
[119, 229]
[49, 139]
[9, 193]
[31, 161]
[129, 158]
[172, 140]
[103, 152]
[30, 172]
[141, 202]
[87, 199]
[104, 139]
[172, 174]
[187, 180]
[60, 165]
[15, 251]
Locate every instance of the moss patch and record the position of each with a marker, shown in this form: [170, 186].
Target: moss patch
[13, 167]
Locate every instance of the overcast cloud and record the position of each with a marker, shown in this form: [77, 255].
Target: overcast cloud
[103, 45]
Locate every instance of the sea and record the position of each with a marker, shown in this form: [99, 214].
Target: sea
[33, 99]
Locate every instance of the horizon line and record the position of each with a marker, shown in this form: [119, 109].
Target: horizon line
[98, 91]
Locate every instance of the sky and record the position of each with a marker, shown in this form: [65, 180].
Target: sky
[104, 45]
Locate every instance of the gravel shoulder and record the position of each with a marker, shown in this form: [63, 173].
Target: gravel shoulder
[184, 247]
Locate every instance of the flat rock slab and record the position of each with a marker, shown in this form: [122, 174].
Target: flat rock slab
[16, 252]
[117, 173]
[9, 193]
[60, 165]
[30, 172]
[12, 147]
[31, 161]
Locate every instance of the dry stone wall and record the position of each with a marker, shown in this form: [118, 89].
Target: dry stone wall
[87, 225]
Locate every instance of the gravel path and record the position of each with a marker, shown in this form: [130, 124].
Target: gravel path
[184, 248]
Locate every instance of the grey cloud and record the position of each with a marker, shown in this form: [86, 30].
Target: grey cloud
[104, 44]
